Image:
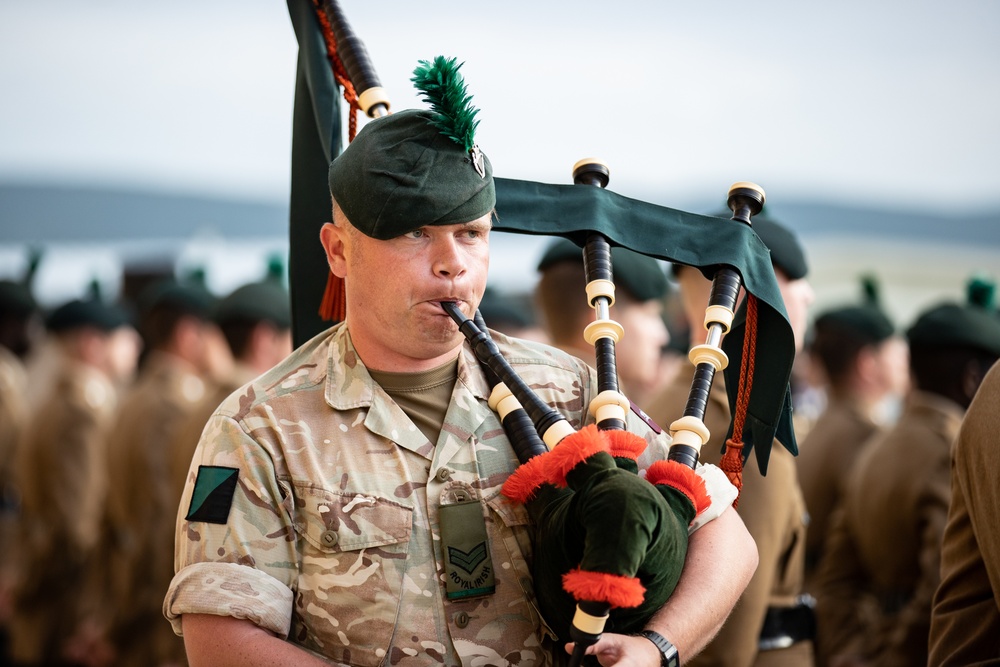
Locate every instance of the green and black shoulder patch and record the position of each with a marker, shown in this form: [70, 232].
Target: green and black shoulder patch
[213, 494]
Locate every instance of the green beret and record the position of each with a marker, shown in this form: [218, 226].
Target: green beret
[499, 309]
[787, 253]
[952, 325]
[640, 275]
[261, 301]
[867, 322]
[401, 173]
[81, 313]
[191, 299]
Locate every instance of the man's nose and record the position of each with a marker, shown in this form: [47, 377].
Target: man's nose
[448, 258]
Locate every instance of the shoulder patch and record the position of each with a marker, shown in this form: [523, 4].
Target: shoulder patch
[213, 494]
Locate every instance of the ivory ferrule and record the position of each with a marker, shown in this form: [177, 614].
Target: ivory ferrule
[502, 401]
[371, 97]
[689, 430]
[557, 432]
[605, 288]
[592, 625]
[603, 329]
[708, 354]
[609, 405]
[719, 315]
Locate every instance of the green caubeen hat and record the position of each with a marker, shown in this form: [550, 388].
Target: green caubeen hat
[413, 168]
[417, 167]
[865, 322]
[974, 324]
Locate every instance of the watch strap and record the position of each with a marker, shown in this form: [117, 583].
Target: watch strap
[668, 652]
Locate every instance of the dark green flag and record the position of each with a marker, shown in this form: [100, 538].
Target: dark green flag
[316, 140]
[702, 241]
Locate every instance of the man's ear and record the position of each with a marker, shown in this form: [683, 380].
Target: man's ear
[334, 242]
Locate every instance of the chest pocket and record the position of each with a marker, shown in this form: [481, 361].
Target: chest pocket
[352, 550]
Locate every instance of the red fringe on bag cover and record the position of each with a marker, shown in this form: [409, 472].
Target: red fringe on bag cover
[616, 590]
[682, 478]
[553, 466]
[625, 445]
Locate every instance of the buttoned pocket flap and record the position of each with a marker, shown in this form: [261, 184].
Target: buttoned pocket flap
[346, 521]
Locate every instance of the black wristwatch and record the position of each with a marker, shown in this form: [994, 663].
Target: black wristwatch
[668, 652]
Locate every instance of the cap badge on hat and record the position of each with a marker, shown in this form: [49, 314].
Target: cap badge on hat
[444, 89]
[476, 156]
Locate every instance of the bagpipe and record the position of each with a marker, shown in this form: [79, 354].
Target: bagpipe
[610, 543]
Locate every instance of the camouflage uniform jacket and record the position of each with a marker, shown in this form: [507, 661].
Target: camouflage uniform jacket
[332, 537]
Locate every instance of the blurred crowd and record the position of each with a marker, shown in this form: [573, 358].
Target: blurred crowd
[102, 405]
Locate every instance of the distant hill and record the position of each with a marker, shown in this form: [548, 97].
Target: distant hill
[51, 213]
[813, 220]
[45, 213]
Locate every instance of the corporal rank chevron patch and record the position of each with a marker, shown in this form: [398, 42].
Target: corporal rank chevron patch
[213, 494]
[468, 561]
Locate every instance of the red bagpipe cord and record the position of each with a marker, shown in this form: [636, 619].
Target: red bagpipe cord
[334, 304]
[732, 460]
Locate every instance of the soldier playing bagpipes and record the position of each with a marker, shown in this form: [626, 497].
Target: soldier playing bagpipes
[347, 504]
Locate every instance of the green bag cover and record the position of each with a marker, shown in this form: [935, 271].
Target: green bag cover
[609, 520]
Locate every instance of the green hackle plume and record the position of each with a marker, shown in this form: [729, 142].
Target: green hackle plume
[870, 290]
[980, 291]
[275, 269]
[444, 89]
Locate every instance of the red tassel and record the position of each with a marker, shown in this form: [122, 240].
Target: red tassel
[333, 308]
[732, 465]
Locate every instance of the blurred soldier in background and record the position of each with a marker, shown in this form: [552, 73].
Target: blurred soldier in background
[512, 317]
[186, 356]
[256, 322]
[771, 624]
[640, 285]
[864, 364]
[62, 482]
[19, 317]
[879, 572]
[965, 621]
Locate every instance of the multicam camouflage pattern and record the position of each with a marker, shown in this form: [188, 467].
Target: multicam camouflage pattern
[332, 537]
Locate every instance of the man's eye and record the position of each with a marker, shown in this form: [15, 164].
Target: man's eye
[416, 233]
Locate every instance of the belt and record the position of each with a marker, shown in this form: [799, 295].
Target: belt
[784, 626]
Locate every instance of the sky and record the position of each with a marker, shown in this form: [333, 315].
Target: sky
[885, 103]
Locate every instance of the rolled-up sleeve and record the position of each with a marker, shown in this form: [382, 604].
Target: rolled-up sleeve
[241, 561]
